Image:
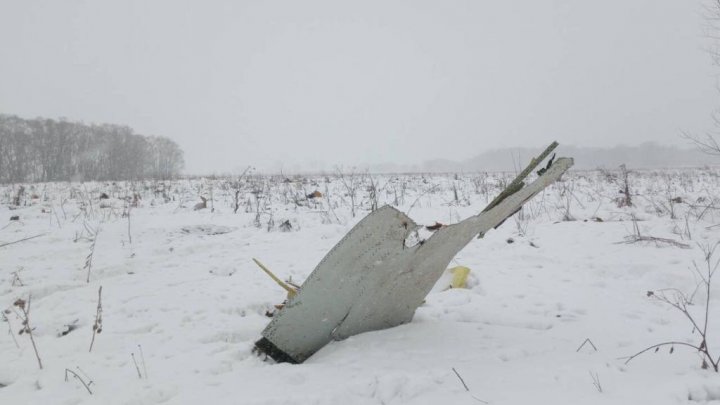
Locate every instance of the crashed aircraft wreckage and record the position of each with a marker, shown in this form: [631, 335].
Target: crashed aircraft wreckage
[372, 280]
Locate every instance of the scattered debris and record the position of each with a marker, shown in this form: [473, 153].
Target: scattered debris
[285, 226]
[291, 290]
[206, 229]
[68, 328]
[201, 205]
[434, 227]
[460, 275]
[544, 169]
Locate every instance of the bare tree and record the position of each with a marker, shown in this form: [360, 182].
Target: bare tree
[351, 181]
[54, 150]
[708, 144]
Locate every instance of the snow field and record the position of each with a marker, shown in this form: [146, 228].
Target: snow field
[186, 293]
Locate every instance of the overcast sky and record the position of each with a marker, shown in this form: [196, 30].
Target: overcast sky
[316, 83]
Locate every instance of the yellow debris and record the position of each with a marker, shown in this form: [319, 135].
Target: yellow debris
[290, 290]
[460, 275]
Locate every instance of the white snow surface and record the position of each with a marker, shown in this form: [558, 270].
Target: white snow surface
[182, 296]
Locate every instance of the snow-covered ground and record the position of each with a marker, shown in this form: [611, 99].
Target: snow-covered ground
[182, 299]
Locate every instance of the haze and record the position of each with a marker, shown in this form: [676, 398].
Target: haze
[313, 84]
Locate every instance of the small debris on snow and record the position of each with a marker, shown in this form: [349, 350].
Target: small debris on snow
[207, 229]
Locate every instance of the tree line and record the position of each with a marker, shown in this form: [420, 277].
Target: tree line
[40, 149]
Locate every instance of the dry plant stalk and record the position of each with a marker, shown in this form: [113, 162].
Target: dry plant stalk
[10, 331]
[87, 386]
[89, 258]
[680, 301]
[25, 308]
[16, 281]
[97, 327]
[21, 240]
[626, 199]
[142, 358]
[636, 236]
[136, 365]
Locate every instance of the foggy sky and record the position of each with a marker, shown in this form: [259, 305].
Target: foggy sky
[311, 84]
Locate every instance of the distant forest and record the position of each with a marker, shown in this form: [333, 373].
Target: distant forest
[37, 150]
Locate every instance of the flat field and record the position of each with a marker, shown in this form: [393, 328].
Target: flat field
[558, 296]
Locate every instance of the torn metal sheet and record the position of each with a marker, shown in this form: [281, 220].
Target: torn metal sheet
[371, 280]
